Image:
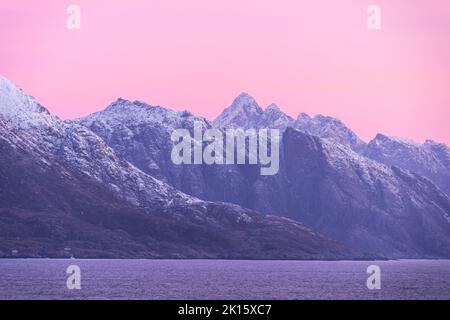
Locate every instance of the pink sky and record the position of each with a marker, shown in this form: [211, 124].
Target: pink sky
[310, 56]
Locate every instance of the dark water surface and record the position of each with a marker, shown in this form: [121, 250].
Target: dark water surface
[220, 279]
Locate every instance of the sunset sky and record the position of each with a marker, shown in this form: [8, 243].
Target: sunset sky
[312, 56]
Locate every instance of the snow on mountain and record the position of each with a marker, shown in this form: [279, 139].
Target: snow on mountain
[430, 159]
[322, 183]
[140, 133]
[78, 147]
[126, 112]
[66, 181]
[328, 128]
[244, 112]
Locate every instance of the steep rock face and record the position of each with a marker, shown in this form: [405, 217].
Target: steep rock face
[140, 133]
[45, 208]
[245, 113]
[360, 201]
[78, 148]
[430, 159]
[338, 191]
[329, 128]
[62, 186]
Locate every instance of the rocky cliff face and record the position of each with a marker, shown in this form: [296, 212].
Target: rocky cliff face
[357, 200]
[105, 186]
[246, 113]
[430, 159]
[323, 181]
[61, 185]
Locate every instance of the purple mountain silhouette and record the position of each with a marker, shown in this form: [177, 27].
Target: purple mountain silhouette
[323, 181]
[109, 181]
[62, 186]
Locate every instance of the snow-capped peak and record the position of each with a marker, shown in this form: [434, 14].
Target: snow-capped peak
[303, 115]
[118, 103]
[329, 128]
[246, 101]
[21, 109]
[123, 106]
[273, 117]
[384, 138]
[432, 142]
[272, 108]
[125, 113]
[243, 112]
[323, 118]
[13, 99]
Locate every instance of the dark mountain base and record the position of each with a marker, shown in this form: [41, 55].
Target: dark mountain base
[45, 209]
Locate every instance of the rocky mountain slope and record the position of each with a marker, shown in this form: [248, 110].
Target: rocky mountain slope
[62, 186]
[246, 113]
[430, 159]
[360, 201]
[323, 182]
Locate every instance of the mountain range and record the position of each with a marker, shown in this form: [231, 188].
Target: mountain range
[105, 186]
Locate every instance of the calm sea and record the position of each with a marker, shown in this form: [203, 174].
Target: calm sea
[220, 279]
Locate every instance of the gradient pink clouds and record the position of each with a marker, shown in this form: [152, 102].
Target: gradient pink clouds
[311, 56]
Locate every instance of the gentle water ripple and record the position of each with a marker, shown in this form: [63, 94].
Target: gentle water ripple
[220, 279]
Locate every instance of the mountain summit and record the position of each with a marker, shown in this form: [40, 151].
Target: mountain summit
[323, 182]
[111, 173]
[329, 128]
[22, 109]
[245, 113]
[62, 185]
[430, 159]
[242, 113]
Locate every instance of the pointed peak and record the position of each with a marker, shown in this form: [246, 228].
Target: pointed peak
[143, 104]
[13, 99]
[8, 87]
[245, 100]
[321, 117]
[244, 95]
[303, 115]
[273, 107]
